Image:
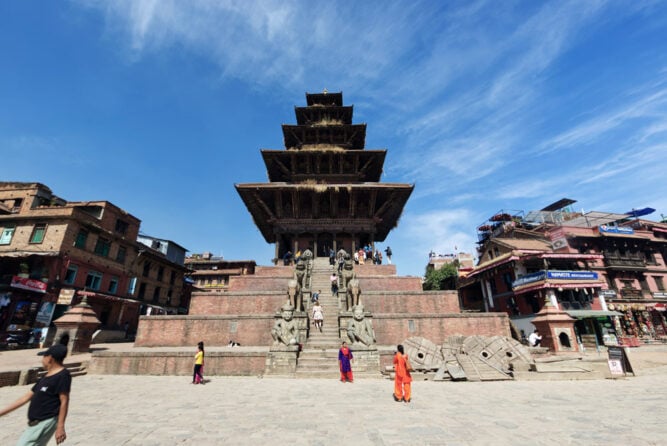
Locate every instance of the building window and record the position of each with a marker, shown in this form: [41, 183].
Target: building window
[659, 283]
[70, 275]
[507, 278]
[147, 268]
[120, 256]
[131, 286]
[121, 226]
[38, 233]
[113, 285]
[142, 291]
[628, 284]
[102, 247]
[81, 238]
[156, 294]
[172, 279]
[7, 234]
[93, 280]
[160, 273]
[411, 326]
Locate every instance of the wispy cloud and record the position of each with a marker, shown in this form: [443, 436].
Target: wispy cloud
[650, 106]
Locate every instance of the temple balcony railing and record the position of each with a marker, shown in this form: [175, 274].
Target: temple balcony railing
[631, 293]
[618, 262]
[567, 305]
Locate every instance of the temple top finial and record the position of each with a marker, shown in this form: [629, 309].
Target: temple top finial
[325, 91]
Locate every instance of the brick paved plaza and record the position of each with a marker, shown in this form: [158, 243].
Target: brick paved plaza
[168, 410]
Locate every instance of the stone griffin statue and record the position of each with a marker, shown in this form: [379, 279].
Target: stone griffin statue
[286, 330]
[352, 294]
[348, 271]
[295, 294]
[360, 330]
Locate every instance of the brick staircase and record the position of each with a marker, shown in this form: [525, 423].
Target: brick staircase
[319, 357]
[75, 369]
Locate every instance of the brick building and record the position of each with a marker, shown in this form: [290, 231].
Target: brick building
[604, 269]
[212, 274]
[54, 252]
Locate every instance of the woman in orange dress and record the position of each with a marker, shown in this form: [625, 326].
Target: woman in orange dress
[403, 379]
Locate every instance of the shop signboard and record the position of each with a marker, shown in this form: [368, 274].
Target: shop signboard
[559, 275]
[660, 295]
[65, 297]
[618, 361]
[607, 294]
[616, 229]
[28, 284]
[572, 275]
[529, 278]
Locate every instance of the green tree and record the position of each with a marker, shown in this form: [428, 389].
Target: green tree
[443, 278]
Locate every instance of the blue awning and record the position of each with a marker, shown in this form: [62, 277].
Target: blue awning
[640, 212]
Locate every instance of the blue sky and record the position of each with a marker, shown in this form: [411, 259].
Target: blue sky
[161, 106]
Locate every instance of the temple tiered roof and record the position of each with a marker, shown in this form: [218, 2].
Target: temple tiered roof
[324, 183]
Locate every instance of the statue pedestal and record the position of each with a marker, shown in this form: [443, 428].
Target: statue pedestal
[281, 360]
[366, 359]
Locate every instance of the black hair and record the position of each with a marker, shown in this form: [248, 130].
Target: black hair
[399, 347]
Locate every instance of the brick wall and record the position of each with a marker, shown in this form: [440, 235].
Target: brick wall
[237, 361]
[236, 303]
[429, 302]
[390, 283]
[178, 331]
[258, 283]
[375, 270]
[392, 329]
[9, 378]
[274, 271]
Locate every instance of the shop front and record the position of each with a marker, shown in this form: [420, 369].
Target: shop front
[639, 322]
[26, 311]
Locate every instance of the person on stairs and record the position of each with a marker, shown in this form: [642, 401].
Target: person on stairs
[318, 315]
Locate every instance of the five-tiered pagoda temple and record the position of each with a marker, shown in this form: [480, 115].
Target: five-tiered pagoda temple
[324, 189]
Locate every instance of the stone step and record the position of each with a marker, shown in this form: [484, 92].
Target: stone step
[75, 369]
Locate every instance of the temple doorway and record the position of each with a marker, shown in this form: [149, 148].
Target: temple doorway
[324, 243]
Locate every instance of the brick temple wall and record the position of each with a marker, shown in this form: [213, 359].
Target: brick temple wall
[424, 302]
[390, 283]
[236, 303]
[274, 271]
[218, 363]
[374, 270]
[217, 330]
[258, 283]
[392, 329]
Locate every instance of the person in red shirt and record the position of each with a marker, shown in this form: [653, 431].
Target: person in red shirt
[403, 379]
[344, 358]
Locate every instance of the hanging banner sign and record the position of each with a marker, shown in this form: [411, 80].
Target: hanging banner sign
[28, 284]
[45, 313]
